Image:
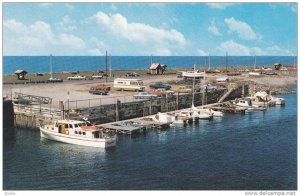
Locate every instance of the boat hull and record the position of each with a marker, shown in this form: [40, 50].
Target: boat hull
[99, 143]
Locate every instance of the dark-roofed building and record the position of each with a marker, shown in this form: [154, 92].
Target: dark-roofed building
[157, 68]
[277, 66]
[21, 74]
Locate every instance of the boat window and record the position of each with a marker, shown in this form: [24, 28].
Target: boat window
[71, 126]
[56, 124]
[96, 134]
[66, 125]
[76, 132]
[80, 124]
[83, 133]
[79, 132]
[76, 125]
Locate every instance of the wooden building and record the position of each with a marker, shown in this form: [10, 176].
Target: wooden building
[157, 68]
[21, 74]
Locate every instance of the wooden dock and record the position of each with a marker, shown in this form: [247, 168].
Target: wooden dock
[138, 125]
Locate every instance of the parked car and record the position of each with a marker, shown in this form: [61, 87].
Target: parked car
[39, 74]
[100, 89]
[53, 80]
[97, 77]
[160, 85]
[76, 77]
[145, 95]
[161, 92]
[132, 74]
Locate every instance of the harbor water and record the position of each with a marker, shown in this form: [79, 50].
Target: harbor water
[255, 151]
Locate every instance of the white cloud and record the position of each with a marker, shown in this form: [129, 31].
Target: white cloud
[95, 52]
[242, 29]
[38, 39]
[100, 44]
[14, 25]
[213, 28]
[69, 6]
[294, 7]
[113, 7]
[66, 24]
[220, 6]
[237, 49]
[71, 40]
[232, 48]
[46, 4]
[276, 50]
[201, 53]
[140, 33]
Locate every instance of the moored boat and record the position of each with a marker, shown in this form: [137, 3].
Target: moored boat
[77, 132]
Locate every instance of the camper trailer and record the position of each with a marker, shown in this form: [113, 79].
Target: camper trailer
[129, 84]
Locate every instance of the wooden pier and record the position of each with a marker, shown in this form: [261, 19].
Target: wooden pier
[138, 125]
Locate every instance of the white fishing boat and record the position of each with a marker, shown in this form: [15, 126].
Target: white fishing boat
[77, 132]
[193, 74]
[254, 73]
[214, 112]
[163, 118]
[246, 103]
[182, 117]
[263, 96]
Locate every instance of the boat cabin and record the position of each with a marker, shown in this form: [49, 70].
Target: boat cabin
[77, 128]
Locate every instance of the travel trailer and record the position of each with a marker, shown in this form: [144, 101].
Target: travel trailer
[129, 84]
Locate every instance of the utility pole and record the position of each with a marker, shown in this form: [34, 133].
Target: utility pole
[226, 61]
[51, 65]
[106, 65]
[109, 65]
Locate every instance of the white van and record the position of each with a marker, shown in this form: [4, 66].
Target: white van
[129, 84]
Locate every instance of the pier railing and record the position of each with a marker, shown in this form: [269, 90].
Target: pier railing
[87, 103]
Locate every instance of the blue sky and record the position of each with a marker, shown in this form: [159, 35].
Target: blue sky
[171, 29]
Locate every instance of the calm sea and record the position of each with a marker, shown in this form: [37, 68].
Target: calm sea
[255, 151]
[34, 64]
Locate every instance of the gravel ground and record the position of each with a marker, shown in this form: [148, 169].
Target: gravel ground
[78, 90]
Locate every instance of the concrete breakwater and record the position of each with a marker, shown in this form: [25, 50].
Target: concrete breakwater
[128, 110]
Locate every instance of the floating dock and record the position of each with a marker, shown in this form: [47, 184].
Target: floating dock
[141, 124]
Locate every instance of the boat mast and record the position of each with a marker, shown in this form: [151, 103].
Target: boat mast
[208, 61]
[203, 92]
[106, 66]
[50, 65]
[254, 61]
[193, 89]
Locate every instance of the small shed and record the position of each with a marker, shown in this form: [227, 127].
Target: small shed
[157, 68]
[277, 66]
[21, 74]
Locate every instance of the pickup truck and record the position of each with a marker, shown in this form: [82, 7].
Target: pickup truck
[77, 77]
[53, 80]
[145, 95]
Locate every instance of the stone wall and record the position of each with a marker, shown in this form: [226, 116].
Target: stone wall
[8, 114]
[122, 111]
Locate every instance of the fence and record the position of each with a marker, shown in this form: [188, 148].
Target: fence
[87, 103]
